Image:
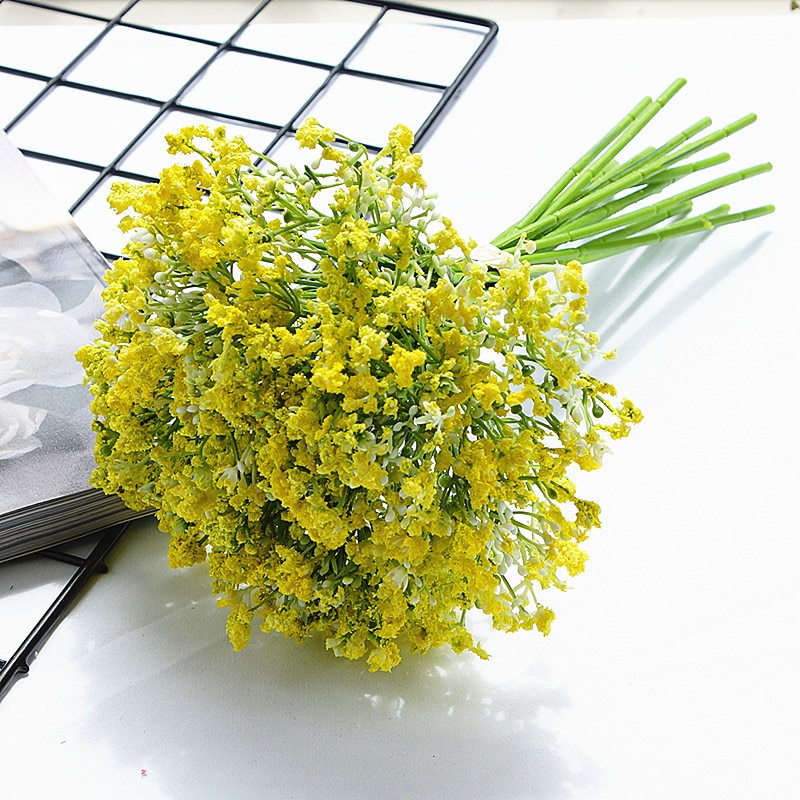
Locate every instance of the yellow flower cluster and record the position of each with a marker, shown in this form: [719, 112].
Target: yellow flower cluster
[363, 423]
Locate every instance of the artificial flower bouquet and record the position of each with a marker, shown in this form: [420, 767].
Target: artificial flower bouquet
[364, 423]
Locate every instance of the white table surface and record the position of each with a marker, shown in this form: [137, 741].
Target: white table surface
[671, 670]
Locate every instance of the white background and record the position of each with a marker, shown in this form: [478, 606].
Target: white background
[671, 669]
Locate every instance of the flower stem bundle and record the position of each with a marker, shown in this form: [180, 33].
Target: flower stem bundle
[363, 423]
[599, 207]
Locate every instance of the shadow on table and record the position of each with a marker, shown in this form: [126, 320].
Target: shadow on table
[625, 286]
[287, 720]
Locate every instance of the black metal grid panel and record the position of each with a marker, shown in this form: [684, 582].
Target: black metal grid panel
[345, 76]
[85, 566]
[72, 85]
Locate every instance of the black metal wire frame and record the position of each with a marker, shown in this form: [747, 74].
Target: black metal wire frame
[18, 663]
[446, 92]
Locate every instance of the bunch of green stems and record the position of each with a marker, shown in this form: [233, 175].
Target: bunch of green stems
[596, 208]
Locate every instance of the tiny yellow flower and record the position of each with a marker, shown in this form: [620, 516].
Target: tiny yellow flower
[403, 362]
[311, 133]
[543, 619]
